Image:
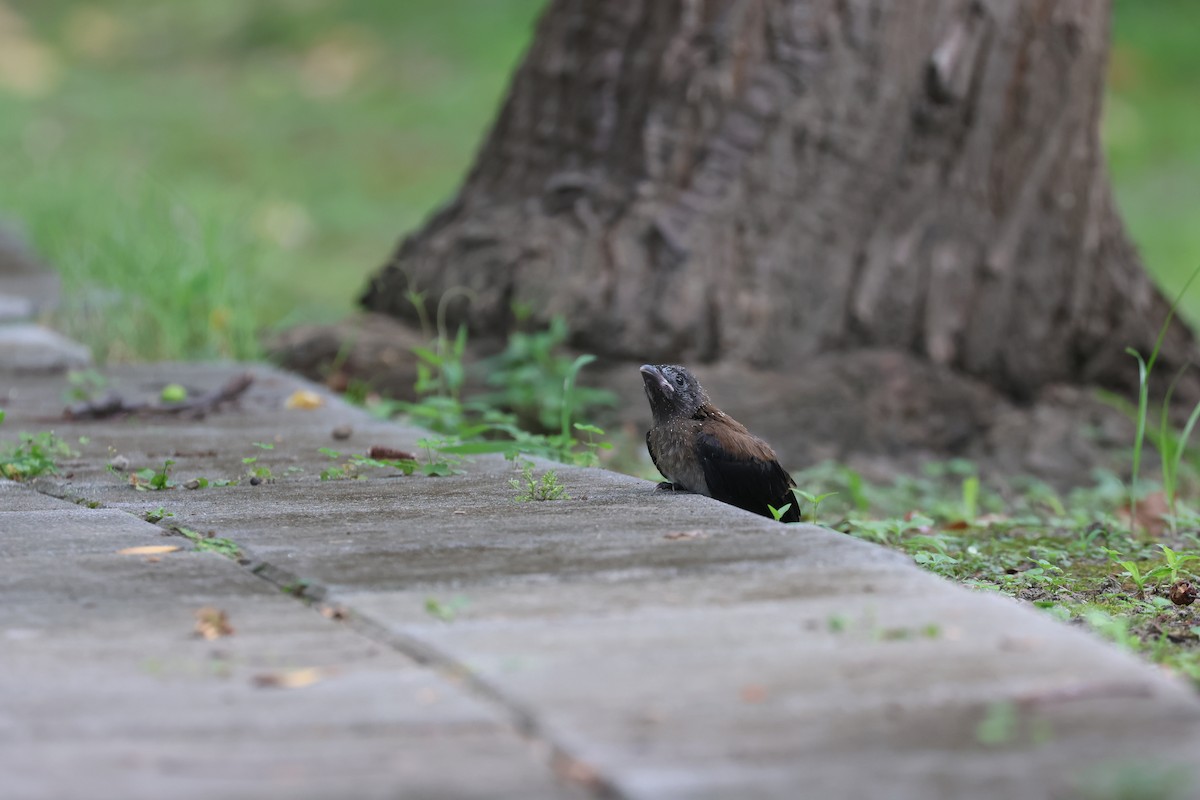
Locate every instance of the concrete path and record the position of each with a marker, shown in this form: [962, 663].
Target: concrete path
[621, 642]
[432, 637]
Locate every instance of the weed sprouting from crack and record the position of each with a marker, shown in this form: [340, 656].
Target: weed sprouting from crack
[210, 542]
[36, 454]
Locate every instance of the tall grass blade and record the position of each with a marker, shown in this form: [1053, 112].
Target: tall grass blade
[1140, 434]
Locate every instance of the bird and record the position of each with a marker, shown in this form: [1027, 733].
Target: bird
[699, 448]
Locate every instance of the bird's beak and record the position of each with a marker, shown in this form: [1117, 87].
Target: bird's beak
[655, 380]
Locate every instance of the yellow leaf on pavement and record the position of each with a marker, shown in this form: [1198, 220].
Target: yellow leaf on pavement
[148, 550]
[288, 679]
[304, 399]
[212, 623]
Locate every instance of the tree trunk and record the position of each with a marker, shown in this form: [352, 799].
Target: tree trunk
[765, 181]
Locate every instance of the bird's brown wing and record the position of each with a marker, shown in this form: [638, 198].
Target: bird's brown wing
[741, 470]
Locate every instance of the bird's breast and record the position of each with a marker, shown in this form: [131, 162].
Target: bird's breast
[673, 446]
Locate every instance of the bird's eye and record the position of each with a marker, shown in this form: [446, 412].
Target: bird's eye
[679, 380]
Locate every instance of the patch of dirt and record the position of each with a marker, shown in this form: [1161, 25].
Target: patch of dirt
[372, 349]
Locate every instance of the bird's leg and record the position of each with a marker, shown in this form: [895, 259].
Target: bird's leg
[667, 486]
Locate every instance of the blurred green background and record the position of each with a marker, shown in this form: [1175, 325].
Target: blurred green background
[202, 170]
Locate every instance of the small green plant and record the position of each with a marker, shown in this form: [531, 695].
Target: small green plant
[1175, 561]
[85, 385]
[900, 634]
[999, 724]
[352, 467]
[931, 552]
[209, 541]
[335, 473]
[157, 515]
[886, 531]
[296, 588]
[970, 498]
[1170, 454]
[589, 456]
[814, 500]
[261, 474]
[445, 611]
[535, 381]
[777, 513]
[529, 487]
[203, 483]
[152, 480]
[480, 425]
[1171, 449]
[1134, 573]
[856, 490]
[258, 472]
[34, 455]
[443, 454]
[1113, 628]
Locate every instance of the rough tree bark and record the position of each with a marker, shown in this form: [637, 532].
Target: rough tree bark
[899, 209]
[765, 180]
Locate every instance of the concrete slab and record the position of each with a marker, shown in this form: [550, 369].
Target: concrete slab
[19, 497]
[32, 348]
[648, 644]
[71, 531]
[15, 309]
[108, 692]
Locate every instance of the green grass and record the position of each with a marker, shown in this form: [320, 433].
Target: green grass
[1150, 135]
[247, 164]
[202, 171]
[152, 275]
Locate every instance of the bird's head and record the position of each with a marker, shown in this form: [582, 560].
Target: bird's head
[673, 391]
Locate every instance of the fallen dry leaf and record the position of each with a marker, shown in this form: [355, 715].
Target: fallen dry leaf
[576, 771]
[288, 679]
[1183, 593]
[1152, 512]
[335, 612]
[753, 693]
[304, 399]
[212, 623]
[390, 454]
[148, 550]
